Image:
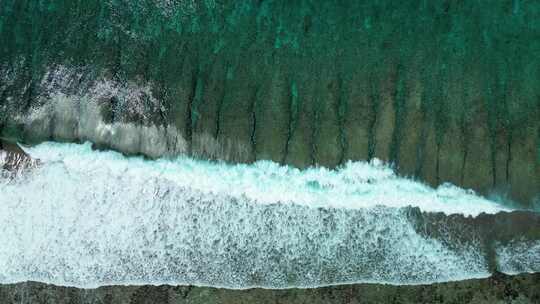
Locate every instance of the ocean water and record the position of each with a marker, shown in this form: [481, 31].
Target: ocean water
[90, 218]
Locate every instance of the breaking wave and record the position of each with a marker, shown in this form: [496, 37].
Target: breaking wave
[88, 218]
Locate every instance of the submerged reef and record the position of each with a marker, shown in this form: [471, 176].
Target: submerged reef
[447, 91]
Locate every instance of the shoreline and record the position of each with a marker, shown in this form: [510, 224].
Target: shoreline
[499, 288]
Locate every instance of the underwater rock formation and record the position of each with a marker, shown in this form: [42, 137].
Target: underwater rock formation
[448, 91]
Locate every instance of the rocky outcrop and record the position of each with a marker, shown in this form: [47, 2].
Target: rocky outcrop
[447, 91]
[13, 159]
[499, 288]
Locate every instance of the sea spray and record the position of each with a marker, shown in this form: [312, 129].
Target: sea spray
[90, 218]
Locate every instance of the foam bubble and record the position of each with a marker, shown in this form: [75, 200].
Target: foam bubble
[356, 185]
[519, 256]
[89, 218]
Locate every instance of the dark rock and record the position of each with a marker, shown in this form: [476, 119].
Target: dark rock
[13, 158]
[499, 288]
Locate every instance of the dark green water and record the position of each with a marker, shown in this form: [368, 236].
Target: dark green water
[446, 90]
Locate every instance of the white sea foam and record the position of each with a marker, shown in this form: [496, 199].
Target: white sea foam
[3, 158]
[519, 256]
[356, 185]
[89, 218]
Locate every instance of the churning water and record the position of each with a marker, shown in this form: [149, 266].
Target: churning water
[88, 218]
